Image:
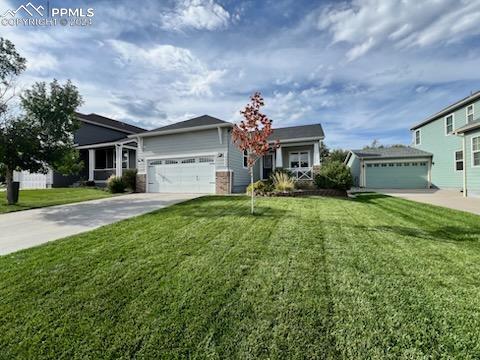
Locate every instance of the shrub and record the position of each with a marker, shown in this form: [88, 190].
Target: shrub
[281, 171]
[283, 181]
[130, 178]
[261, 187]
[334, 175]
[304, 185]
[115, 184]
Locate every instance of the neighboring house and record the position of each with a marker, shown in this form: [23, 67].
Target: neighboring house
[445, 154]
[390, 168]
[198, 156]
[105, 150]
[453, 137]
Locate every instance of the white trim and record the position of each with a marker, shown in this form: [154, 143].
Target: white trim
[106, 144]
[298, 152]
[91, 164]
[474, 152]
[316, 154]
[179, 131]
[118, 160]
[419, 137]
[473, 113]
[278, 157]
[107, 126]
[455, 160]
[220, 133]
[396, 160]
[178, 156]
[312, 138]
[445, 124]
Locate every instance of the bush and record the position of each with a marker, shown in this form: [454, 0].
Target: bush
[283, 181]
[281, 171]
[334, 175]
[115, 184]
[130, 178]
[261, 187]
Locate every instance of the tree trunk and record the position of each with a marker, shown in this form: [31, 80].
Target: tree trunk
[10, 189]
[253, 190]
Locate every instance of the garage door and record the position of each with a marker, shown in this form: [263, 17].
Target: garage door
[397, 175]
[187, 175]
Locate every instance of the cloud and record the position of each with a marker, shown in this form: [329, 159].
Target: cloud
[196, 14]
[366, 24]
[186, 74]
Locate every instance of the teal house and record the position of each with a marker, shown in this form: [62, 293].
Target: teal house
[445, 154]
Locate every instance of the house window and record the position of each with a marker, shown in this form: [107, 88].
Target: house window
[417, 137]
[449, 124]
[245, 159]
[105, 159]
[459, 160]
[470, 110]
[299, 159]
[476, 151]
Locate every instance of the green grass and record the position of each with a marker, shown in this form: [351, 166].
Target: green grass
[31, 199]
[372, 278]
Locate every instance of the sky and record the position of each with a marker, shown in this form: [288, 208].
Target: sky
[364, 69]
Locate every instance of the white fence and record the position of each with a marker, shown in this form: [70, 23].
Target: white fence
[33, 180]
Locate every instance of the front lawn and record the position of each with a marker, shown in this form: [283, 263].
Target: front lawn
[30, 199]
[376, 277]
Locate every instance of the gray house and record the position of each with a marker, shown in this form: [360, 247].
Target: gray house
[105, 150]
[198, 156]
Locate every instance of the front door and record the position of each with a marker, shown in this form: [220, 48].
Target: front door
[267, 166]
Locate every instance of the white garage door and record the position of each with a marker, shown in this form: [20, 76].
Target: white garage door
[186, 175]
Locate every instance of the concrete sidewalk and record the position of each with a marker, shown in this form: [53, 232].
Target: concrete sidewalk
[24, 229]
[447, 198]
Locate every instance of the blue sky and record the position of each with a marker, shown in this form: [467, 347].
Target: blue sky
[367, 69]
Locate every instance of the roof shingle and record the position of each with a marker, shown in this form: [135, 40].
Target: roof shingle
[104, 121]
[391, 153]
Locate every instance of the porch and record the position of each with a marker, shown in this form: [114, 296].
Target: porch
[300, 158]
[107, 159]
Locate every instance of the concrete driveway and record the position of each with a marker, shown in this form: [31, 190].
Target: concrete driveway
[24, 229]
[447, 198]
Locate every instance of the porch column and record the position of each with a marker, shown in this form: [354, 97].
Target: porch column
[278, 157]
[316, 154]
[91, 164]
[118, 160]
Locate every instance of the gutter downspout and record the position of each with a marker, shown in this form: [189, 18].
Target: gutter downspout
[464, 149]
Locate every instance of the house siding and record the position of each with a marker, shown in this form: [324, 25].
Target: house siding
[443, 147]
[190, 143]
[241, 177]
[473, 173]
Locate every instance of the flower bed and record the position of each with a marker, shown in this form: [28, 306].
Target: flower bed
[316, 192]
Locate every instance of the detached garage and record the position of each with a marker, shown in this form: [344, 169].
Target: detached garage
[390, 168]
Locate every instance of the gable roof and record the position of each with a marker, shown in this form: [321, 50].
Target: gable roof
[453, 107]
[203, 120]
[297, 132]
[391, 153]
[110, 123]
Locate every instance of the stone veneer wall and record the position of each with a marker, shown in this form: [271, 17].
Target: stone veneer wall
[141, 183]
[223, 182]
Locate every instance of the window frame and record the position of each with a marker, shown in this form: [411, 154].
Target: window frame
[452, 115]
[245, 159]
[475, 151]
[419, 137]
[298, 152]
[456, 161]
[472, 106]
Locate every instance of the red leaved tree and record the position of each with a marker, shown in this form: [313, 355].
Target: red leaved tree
[252, 133]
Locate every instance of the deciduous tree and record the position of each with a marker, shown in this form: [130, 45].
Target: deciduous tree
[252, 134]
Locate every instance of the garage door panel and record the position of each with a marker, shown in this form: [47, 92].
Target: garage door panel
[402, 175]
[194, 175]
